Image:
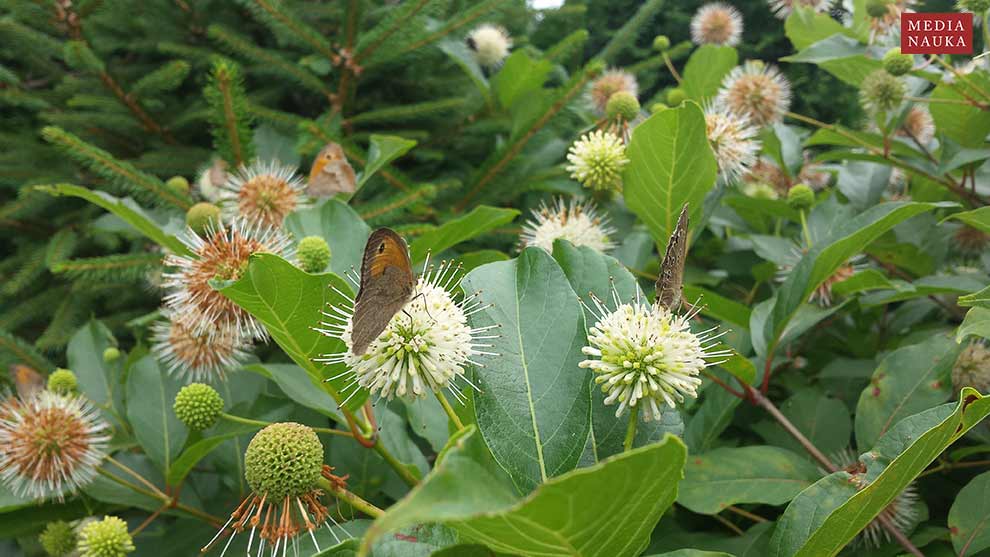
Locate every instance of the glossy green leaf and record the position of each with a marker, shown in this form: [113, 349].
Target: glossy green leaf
[480, 220]
[925, 286]
[969, 517]
[705, 69]
[976, 299]
[825, 421]
[840, 55]
[300, 386]
[339, 225]
[670, 164]
[977, 218]
[536, 408]
[822, 519]
[753, 474]
[719, 307]
[602, 510]
[384, 149]
[150, 394]
[711, 417]
[195, 452]
[691, 553]
[965, 124]
[289, 302]
[126, 209]
[804, 27]
[97, 379]
[976, 323]
[868, 279]
[518, 76]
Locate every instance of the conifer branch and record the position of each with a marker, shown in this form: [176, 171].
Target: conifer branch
[402, 113]
[356, 156]
[567, 47]
[14, 350]
[122, 268]
[285, 119]
[467, 17]
[626, 35]
[68, 316]
[145, 187]
[229, 115]
[420, 194]
[61, 246]
[166, 78]
[387, 28]
[276, 16]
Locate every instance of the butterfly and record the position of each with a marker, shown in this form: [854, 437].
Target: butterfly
[387, 283]
[331, 173]
[27, 381]
[671, 278]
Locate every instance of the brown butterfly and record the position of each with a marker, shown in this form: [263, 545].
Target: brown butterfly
[386, 285]
[27, 381]
[671, 278]
[331, 173]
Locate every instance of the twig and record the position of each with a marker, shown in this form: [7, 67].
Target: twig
[742, 512]
[149, 520]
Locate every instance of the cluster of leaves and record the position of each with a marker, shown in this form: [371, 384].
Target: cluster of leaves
[749, 468]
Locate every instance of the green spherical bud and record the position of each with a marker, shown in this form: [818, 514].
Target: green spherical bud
[58, 539]
[877, 8]
[198, 406]
[800, 196]
[658, 107]
[178, 184]
[111, 354]
[896, 63]
[201, 215]
[676, 96]
[881, 92]
[313, 254]
[62, 381]
[622, 105]
[661, 43]
[975, 6]
[283, 460]
[105, 538]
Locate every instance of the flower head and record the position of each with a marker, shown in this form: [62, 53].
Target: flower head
[783, 8]
[733, 140]
[881, 92]
[58, 539]
[972, 368]
[765, 171]
[574, 221]
[424, 348]
[490, 44]
[645, 356]
[597, 160]
[198, 354]
[717, 23]
[105, 538]
[63, 382]
[801, 196]
[609, 83]
[203, 215]
[756, 90]
[885, 19]
[52, 444]
[896, 63]
[198, 406]
[313, 254]
[222, 252]
[284, 467]
[263, 193]
[623, 106]
[970, 241]
[918, 125]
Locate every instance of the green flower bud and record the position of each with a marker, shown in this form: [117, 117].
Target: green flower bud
[676, 96]
[661, 43]
[800, 196]
[896, 63]
[283, 460]
[877, 8]
[105, 538]
[198, 406]
[760, 190]
[313, 254]
[62, 381]
[622, 105]
[178, 184]
[58, 539]
[201, 215]
[658, 107]
[111, 354]
[881, 92]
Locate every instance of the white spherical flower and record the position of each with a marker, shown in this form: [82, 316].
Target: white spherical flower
[597, 160]
[918, 125]
[51, 444]
[222, 253]
[645, 356]
[733, 139]
[425, 347]
[198, 356]
[902, 512]
[783, 8]
[756, 90]
[718, 24]
[263, 193]
[490, 45]
[579, 223]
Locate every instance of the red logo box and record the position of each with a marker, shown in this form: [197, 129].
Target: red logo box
[936, 33]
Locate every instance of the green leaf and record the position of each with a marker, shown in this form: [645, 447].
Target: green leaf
[300, 386]
[976, 323]
[823, 420]
[716, 306]
[339, 225]
[969, 517]
[805, 27]
[822, 519]
[480, 220]
[97, 379]
[150, 394]
[925, 286]
[711, 418]
[384, 149]
[705, 69]
[841, 56]
[965, 124]
[977, 299]
[907, 381]
[867, 279]
[519, 76]
[977, 218]
[753, 474]
[536, 408]
[126, 209]
[847, 238]
[670, 164]
[603, 510]
[691, 553]
[289, 302]
[194, 453]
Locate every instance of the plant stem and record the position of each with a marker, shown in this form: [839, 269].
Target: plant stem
[260, 423]
[396, 464]
[631, 428]
[954, 465]
[742, 512]
[670, 66]
[149, 520]
[351, 499]
[170, 501]
[449, 410]
[804, 227]
[154, 489]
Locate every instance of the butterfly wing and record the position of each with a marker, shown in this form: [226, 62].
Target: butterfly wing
[27, 381]
[386, 286]
[331, 173]
[671, 278]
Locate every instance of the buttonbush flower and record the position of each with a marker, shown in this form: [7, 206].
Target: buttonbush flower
[490, 44]
[58, 539]
[574, 221]
[716, 23]
[881, 92]
[105, 538]
[901, 512]
[609, 83]
[756, 90]
[198, 354]
[733, 140]
[918, 125]
[263, 193]
[198, 406]
[597, 160]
